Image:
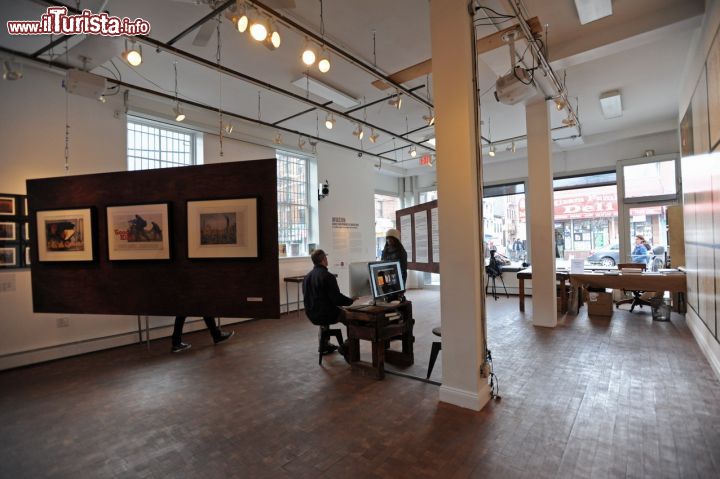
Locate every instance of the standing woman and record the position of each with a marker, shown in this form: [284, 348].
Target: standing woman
[394, 251]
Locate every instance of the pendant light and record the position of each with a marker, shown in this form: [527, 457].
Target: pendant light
[359, 133]
[396, 101]
[373, 136]
[179, 115]
[492, 150]
[413, 151]
[259, 29]
[133, 53]
[308, 54]
[324, 63]
[242, 20]
[329, 121]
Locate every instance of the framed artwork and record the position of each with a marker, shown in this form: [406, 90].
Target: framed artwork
[8, 231]
[7, 206]
[27, 256]
[8, 257]
[65, 235]
[138, 232]
[26, 231]
[26, 211]
[223, 228]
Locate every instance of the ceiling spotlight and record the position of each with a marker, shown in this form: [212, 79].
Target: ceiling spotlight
[132, 54]
[275, 39]
[413, 152]
[429, 119]
[11, 72]
[492, 150]
[301, 142]
[313, 145]
[396, 101]
[242, 20]
[568, 121]
[559, 103]
[228, 128]
[308, 55]
[102, 99]
[259, 29]
[278, 138]
[179, 115]
[373, 136]
[324, 63]
[329, 121]
[359, 132]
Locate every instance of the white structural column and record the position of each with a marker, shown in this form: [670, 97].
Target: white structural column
[458, 176]
[540, 206]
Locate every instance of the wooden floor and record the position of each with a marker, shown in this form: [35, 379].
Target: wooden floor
[626, 397]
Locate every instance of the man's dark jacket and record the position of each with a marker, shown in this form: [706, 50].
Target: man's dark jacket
[322, 296]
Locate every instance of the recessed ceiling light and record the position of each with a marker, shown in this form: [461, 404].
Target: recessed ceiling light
[611, 104]
[591, 10]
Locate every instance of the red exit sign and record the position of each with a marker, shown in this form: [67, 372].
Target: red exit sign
[425, 160]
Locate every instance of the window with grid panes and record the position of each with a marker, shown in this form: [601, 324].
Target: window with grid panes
[153, 145]
[293, 204]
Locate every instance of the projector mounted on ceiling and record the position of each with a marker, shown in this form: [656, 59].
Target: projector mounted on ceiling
[514, 87]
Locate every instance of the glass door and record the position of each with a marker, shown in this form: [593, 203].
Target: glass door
[647, 241]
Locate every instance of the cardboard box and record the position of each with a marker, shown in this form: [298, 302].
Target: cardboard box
[599, 304]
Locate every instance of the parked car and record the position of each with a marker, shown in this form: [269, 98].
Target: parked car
[611, 256]
[605, 257]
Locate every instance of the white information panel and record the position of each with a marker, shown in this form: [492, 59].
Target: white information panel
[421, 237]
[435, 228]
[406, 234]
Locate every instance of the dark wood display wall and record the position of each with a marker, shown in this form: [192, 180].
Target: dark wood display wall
[433, 265]
[179, 286]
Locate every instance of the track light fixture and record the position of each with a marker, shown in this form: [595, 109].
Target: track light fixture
[569, 121]
[11, 71]
[324, 63]
[179, 115]
[242, 20]
[413, 152]
[275, 38]
[329, 121]
[308, 54]
[373, 136]
[492, 150]
[133, 53]
[229, 128]
[396, 101]
[429, 118]
[301, 142]
[359, 132]
[259, 28]
[559, 103]
[278, 138]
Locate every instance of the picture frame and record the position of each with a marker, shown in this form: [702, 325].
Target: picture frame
[8, 257]
[26, 231]
[7, 206]
[26, 210]
[65, 235]
[138, 232]
[8, 231]
[223, 228]
[28, 262]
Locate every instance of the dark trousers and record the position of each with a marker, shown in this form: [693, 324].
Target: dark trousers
[180, 322]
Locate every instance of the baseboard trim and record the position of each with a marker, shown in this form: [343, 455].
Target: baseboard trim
[465, 399]
[708, 345]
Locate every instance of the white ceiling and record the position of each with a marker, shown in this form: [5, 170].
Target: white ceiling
[639, 50]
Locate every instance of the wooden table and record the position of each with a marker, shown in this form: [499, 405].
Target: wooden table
[371, 323]
[676, 283]
[561, 276]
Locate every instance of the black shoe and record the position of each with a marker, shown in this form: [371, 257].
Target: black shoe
[329, 349]
[224, 336]
[178, 348]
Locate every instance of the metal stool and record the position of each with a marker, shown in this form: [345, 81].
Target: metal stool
[436, 347]
[324, 337]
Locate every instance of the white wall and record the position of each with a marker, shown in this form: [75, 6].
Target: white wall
[32, 133]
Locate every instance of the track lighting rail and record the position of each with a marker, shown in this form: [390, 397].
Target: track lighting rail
[199, 105]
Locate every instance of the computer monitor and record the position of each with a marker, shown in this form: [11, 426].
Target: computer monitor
[359, 280]
[385, 278]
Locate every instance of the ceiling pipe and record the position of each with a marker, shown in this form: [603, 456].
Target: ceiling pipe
[516, 6]
[247, 78]
[202, 106]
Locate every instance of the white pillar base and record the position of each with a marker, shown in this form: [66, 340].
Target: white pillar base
[466, 399]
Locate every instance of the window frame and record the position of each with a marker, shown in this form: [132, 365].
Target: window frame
[310, 201]
[139, 120]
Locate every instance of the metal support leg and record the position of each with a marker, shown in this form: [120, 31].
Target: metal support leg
[287, 299]
[147, 331]
[139, 330]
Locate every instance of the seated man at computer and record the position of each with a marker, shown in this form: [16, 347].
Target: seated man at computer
[322, 297]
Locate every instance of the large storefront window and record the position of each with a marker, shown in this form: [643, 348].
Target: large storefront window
[385, 208]
[504, 222]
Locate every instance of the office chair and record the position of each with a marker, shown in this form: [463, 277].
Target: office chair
[636, 300]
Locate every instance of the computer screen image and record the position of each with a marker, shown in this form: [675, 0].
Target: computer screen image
[385, 278]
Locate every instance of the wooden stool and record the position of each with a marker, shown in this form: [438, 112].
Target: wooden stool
[324, 337]
[436, 347]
